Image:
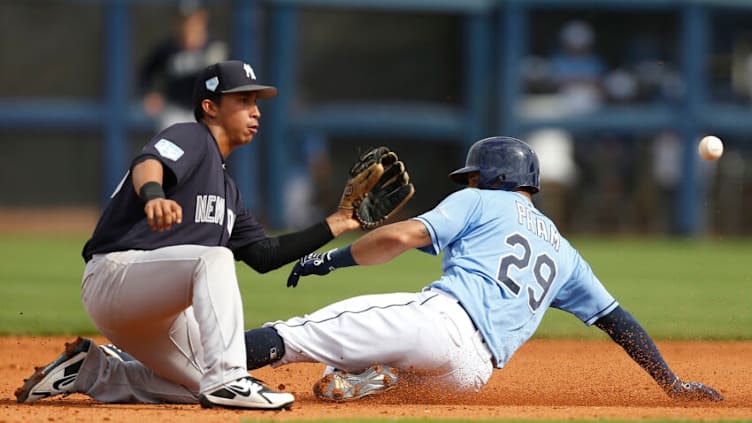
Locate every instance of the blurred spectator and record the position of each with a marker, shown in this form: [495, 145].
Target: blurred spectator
[166, 77]
[558, 173]
[620, 86]
[741, 68]
[611, 160]
[576, 69]
[662, 181]
[570, 80]
[655, 74]
[575, 73]
[308, 190]
[729, 211]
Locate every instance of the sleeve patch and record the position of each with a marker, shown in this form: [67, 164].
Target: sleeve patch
[168, 149]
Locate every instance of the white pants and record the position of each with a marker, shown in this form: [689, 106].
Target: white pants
[177, 310]
[427, 334]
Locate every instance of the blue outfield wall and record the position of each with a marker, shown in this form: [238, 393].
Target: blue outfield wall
[494, 43]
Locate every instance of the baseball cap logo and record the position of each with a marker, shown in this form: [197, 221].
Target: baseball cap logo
[249, 71]
[212, 83]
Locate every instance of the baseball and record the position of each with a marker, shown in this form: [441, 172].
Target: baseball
[710, 147]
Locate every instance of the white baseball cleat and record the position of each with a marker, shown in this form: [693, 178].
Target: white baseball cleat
[246, 392]
[343, 386]
[57, 377]
[111, 350]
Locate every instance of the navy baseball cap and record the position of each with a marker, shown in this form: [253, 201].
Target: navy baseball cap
[232, 76]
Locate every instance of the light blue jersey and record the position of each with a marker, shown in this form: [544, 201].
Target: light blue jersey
[506, 263]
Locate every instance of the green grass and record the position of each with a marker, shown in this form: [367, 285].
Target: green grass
[40, 281]
[678, 289]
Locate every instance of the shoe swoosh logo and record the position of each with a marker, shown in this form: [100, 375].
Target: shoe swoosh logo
[244, 391]
[64, 382]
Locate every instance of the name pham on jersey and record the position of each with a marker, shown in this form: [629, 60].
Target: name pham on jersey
[533, 221]
[211, 209]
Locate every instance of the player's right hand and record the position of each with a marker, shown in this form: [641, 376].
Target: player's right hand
[311, 264]
[162, 213]
[693, 391]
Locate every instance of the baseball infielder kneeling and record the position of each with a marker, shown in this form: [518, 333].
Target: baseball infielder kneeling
[160, 277]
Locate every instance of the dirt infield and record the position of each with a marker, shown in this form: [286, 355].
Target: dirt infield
[544, 380]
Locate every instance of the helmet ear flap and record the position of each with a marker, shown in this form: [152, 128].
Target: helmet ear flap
[498, 180]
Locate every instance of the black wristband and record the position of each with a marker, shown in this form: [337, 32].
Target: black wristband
[150, 191]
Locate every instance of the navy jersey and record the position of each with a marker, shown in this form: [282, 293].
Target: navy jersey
[195, 177]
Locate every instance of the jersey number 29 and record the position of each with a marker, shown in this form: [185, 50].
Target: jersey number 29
[544, 271]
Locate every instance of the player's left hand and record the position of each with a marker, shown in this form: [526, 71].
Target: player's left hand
[311, 264]
[693, 391]
[378, 187]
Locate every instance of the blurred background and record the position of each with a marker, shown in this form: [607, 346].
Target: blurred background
[613, 95]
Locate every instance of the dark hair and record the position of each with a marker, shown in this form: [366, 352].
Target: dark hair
[198, 111]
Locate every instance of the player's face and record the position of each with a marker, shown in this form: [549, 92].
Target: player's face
[239, 116]
[472, 179]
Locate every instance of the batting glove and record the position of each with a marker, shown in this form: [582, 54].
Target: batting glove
[320, 264]
[693, 391]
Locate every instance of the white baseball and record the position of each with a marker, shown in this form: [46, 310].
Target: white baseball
[710, 147]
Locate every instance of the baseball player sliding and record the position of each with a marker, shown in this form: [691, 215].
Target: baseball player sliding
[504, 264]
[160, 267]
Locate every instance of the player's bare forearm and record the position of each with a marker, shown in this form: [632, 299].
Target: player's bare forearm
[149, 170]
[388, 242]
[161, 213]
[342, 221]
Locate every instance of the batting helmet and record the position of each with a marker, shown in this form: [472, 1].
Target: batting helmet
[504, 163]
